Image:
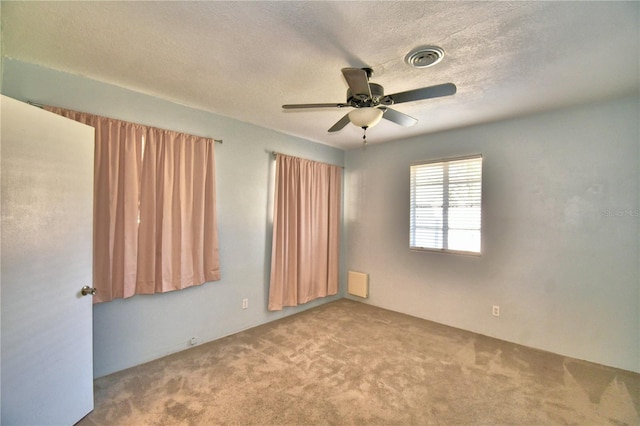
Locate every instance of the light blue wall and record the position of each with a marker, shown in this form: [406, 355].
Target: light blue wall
[132, 331]
[560, 232]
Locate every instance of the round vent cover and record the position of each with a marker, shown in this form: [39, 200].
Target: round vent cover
[424, 57]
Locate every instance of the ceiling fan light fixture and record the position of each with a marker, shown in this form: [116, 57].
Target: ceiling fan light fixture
[424, 56]
[366, 116]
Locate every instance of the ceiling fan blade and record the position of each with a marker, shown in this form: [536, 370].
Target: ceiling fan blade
[424, 93]
[399, 117]
[299, 106]
[340, 124]
[358, 81]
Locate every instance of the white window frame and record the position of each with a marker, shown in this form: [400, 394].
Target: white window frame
[440, 237]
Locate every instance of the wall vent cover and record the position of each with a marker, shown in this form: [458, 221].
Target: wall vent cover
[358, 284]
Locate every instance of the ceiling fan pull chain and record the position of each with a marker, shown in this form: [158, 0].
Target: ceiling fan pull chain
[364, 137]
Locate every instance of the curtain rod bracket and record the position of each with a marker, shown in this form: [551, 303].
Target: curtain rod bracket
[35, 104]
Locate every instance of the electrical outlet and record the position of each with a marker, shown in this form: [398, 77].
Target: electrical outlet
[193, 341]
[245, 303]
[496, 311]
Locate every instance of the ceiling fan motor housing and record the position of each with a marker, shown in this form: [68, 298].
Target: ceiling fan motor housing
[363, 100]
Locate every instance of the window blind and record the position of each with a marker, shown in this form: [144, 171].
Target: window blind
[446, 205]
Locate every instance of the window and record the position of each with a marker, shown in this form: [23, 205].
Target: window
[446, 200]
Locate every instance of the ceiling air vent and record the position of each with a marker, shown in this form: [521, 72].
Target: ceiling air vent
[424, 57]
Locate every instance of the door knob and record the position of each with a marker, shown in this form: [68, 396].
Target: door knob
[86, 290]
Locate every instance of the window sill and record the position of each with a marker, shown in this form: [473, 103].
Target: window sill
[446, 251]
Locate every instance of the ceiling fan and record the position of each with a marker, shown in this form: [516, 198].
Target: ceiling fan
[371, 104]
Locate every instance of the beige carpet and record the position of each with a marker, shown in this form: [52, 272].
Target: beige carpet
[347, 363]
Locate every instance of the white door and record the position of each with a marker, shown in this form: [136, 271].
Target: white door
[46, 327]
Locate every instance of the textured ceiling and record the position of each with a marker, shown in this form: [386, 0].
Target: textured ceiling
[245, 59]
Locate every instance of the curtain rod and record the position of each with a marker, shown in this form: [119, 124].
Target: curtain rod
[276, 153]
[35, 104]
